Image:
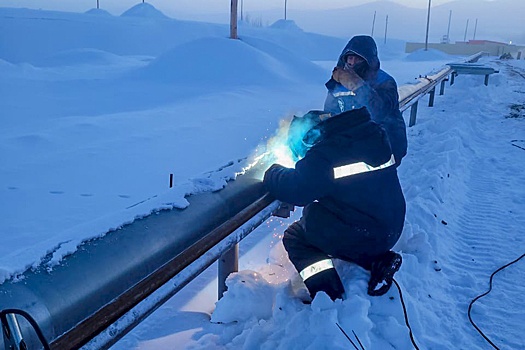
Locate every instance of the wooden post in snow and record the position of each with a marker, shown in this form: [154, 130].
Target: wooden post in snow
[233, 20]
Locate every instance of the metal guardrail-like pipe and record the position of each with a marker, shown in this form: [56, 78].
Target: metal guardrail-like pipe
[410, 94]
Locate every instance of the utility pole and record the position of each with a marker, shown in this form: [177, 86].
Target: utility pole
[448, 30]
[465, 36]
[97, 5]
[242, 10]
[428, 25]
[386, 27]
[285, 1]
[233, 20]
[475, 29]
[373, 24]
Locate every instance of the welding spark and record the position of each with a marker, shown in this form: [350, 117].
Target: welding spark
[276, 150]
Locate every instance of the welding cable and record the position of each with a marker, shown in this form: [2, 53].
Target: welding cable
[406, 315]
[31, 320]
[487, 292]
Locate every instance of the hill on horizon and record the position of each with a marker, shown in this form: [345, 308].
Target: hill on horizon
[499, 20]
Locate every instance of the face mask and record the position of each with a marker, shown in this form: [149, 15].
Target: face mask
[361, 69]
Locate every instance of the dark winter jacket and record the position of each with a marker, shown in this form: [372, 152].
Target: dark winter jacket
[342, 203]
[378, 94]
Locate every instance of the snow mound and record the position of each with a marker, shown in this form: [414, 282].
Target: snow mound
[296, 64]
[5, 64]
[81, 57]
[232, 62]
[393, 49]
[7, 69]
[98, 12]
[286, 24]
[429, 55]
[255, 312]
[249, 295]
[144, 10]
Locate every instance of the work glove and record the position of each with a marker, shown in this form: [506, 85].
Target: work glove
[348, 78]
[270, 175]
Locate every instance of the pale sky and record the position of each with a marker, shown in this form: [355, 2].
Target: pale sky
[118, 6]
[268, 11]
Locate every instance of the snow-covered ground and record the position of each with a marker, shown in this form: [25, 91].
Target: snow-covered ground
[97, 111]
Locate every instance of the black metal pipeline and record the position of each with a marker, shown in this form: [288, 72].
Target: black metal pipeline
[106, 277]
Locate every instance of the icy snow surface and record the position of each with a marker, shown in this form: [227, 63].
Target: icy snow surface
[97, 111]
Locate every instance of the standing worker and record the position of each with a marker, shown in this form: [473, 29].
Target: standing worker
[358, 80]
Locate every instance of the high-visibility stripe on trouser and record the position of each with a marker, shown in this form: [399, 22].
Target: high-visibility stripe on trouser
[315, 268]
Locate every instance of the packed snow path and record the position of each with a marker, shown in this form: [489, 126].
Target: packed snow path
[477, 232]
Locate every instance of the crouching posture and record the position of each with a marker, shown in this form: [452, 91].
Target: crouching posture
[354, 208]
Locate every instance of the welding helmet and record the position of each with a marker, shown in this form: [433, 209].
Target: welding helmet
[305, 132]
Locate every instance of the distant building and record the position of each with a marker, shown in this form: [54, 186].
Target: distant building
[493, 48]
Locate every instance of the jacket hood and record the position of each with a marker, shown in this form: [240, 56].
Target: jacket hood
[364, 46]
[346, 122]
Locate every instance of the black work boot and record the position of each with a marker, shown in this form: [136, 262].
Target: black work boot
[327, 281]
[382, 272]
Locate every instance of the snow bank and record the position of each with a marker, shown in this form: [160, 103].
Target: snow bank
[429, 55]
[286, 24]
[250, 61]
[98, 12]
[144, 10]
[84, 56]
